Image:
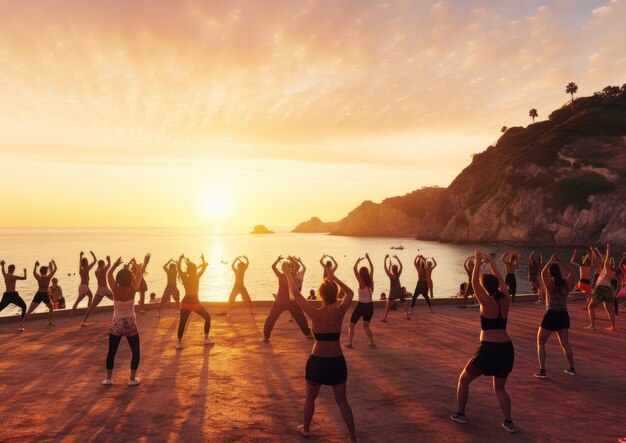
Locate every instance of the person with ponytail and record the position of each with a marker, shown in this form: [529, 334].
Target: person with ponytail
[495, 355]
[365, 307]
[556, 318]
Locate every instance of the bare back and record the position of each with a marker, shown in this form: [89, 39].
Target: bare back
[9, 282]
[84, 275]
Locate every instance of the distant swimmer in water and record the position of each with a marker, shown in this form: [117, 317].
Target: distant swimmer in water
[43, 276]
[326, 364]
[495, 355]
[422, 286]
[191, 301]
[394, 271]
[239, 267]
[468, 265]
[603, 292]
[558, 278]
[124, 286]
[511, 263]
[103, 290]
[84, 267]
[365, 307]
[284, 302]
[11, 296]
[171, 288]
[584, 272]
[534, 265]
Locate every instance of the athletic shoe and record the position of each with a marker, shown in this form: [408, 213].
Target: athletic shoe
[474, 305]
[107, 381]
[158, 315]
[570, 371]
[266, 339]
[208, 342]
[21, 328]
[133, 382]
[49, 324]
[540, 374]
[459, 418]
[508, 425]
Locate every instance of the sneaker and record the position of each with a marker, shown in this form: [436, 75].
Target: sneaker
[266, 339]
[541, 374]
[570, 371]
[459, 418]
[133, 382]
[158, 315]
[49, 324]
[474, 305]
[179, 346]
[208, 342]
[508, 425]
[21, 329]
[107, 381]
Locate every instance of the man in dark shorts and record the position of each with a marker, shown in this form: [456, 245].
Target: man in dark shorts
[395, 289]
[11, 296]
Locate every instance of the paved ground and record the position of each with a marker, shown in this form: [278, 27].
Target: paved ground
[244, 390]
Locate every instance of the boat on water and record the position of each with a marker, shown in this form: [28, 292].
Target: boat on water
[400, 247]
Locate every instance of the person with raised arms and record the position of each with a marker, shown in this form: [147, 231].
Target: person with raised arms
[326, 364]
[468, 265]
[84, 267]
[239, 266]
[102, 291]
[394, 271]
[124, 287]
[584, 280]
[11, 296]
[431, 264]
[329, 266]
[558, 279]
[511, 263]
[171, 288]
[284, 302]
[603, 292]
[495, 355]
[191, 301]
[43, 276]
[365, 306]
[534, 266]
[422, 286]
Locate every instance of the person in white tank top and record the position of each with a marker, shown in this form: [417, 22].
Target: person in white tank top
[364, 307]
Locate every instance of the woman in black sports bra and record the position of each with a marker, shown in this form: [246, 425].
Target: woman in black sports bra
[495, 355]
[326, 364]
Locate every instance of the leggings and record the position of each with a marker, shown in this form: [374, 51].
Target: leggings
[184, 316]
[279, 308]
[13, 298]
[420, 289]
[511, 282]
[114, 342]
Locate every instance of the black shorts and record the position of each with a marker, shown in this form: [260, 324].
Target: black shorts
[397, 295]
[365, 310]
[555, 320]
[329, 371]
[421, 288]
[41, 297]
[494, 358]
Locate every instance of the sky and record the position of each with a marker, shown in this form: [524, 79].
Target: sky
[207, 113]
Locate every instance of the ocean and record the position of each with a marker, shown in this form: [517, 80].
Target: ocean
[23, 247]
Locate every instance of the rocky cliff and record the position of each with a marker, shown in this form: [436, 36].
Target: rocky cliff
[558, 182]
[555, 182]
[315, 225]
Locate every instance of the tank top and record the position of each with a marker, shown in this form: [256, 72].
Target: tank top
[394, 283]
[604, 279]
[557, 300]
[365, 295]
[124, 309]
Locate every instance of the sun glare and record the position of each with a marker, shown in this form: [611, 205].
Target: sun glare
[217, 207]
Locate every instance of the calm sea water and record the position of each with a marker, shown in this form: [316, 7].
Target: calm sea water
[22, 247]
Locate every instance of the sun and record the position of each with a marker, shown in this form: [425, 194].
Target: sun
[217, 206]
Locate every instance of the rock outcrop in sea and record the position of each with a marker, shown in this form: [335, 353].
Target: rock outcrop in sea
[315, 225]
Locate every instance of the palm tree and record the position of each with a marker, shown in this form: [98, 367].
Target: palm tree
[503, 130]
[533, 113]
[571, 88]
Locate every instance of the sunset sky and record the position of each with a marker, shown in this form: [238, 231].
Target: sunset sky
[177, 113]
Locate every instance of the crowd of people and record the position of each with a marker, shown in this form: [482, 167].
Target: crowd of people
[597, 277]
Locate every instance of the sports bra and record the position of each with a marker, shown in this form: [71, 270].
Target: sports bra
[328, 336]
[489, 324]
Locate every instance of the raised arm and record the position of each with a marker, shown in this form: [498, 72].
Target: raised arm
[479, 291]
[356, 271]
[335, 265]
[387, 265]
[400, 267]
[93, 256]
[22, 277]
[295, 291]
[416, 261]
[496, 272]
[108, 265]
[232, 265]
[179, 265]
[434, 262]
[35, 273]
[607, 257]
[167, 264]
[348, 293]
[247, 262]
[275, 266]
[53, 267]
[80, 259]
[110, 277]
[545, 275]
[573, 259]
[530, 258]
[203, 266]
[4, 274]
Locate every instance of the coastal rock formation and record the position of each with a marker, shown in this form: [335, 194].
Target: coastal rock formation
[261, 229]
[556, 182]
[315, 225]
